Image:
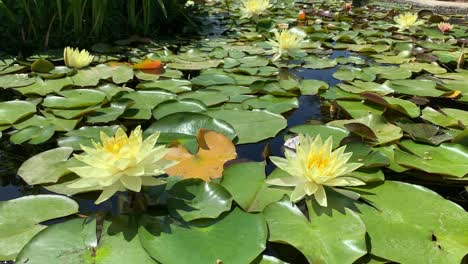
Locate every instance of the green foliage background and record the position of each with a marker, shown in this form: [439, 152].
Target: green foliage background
[42, 24]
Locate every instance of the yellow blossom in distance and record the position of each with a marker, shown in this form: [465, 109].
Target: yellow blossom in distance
[407, 21]
[313, 166]
[253, 8]
[287, 42]
[74, 58]
[121, 162]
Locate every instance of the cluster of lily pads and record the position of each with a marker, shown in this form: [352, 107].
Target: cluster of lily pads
[158, 124]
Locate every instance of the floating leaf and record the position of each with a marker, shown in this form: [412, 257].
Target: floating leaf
[196, 199]
[411, 224]
[243, 121]
[74, 99]
[119, 242]
[372, 127]
[20, 218]
[338, 234]
[15, 80]
[249, 241]
[12, 111]
[447, 159]
[174, 106]
[246, 183]
[214, 150]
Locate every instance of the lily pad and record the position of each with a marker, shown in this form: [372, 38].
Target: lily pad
[246, 183]
[74, 99]
[411, 224]
[243, 121]
[338, 233]
[174, 106]
[12, 111]
[372, 127]
[195, 242]
[196, 199]
[447, 159]
[15, 80]
[20, 218]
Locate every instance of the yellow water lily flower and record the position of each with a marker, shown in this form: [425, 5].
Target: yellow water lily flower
[314, 165]
[121, 162]
[253, 8]
[74, 58]
[287, 42]
[407, 21]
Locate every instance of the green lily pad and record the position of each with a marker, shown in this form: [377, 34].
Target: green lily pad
[433, 68]
[447, 159]
[195, 243]
[33, 134]
[253, 61]
[45, 167]
[192, 199]
[193, 66]
[324, 131]
[246, 183]
[144, 102]
[207, 96]
[15, 80]
[174, 106]
[446, 117]
[74, 99]
[82, 244]
[314, 62]
[411, 224]
[188, 124]
[348, 73]
[12, 111]
[59, 124]
[371, 127]
[360, 87]
[20, 218]
[337, 232]
[416, 87]
[389, 72]
[107, 114]
[403, 106]
[212, 79]
[243, 121]
[312, 87]
[358, 109]
[271, 103]
[118, 74]
[42, 66]
[86, 77]
[44, 87]
[171, 85]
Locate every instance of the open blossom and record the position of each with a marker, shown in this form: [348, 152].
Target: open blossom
[314, 165]
[445, 27]
[74, 58]
[121, 162]
[407, 21]
[287, 42]
[253, 8]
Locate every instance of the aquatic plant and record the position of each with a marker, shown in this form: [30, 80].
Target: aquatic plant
[74, 58]
[254, 8]
[314, 165]
[407, 21]
[286, 42]
[445, 27]
[121, 162]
